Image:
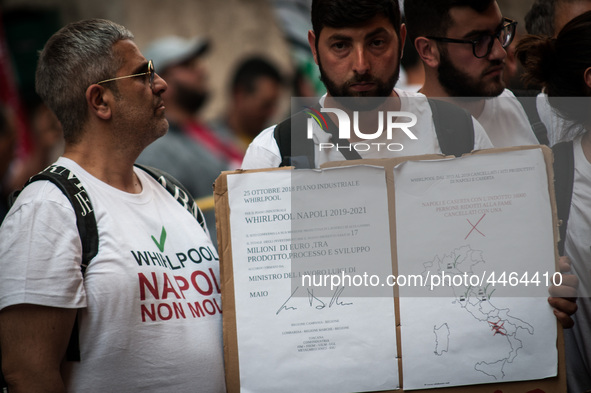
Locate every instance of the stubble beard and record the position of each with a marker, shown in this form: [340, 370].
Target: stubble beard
[457, 83]
[140, 128]
[364, 100]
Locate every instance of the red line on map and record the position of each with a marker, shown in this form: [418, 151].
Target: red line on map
[498, 328]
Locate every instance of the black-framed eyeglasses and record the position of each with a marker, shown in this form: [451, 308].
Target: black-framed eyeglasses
[482, 46]
[150, 72]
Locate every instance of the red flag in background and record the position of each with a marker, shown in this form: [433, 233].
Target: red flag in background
[9, 95]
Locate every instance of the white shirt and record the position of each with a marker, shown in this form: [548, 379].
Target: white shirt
[143, 324]
[506, 122]
[578, 249]
[556, 125]
[263, 152]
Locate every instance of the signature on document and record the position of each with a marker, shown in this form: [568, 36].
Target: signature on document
[310, 300]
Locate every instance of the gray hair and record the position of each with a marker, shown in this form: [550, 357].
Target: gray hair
[74, 58]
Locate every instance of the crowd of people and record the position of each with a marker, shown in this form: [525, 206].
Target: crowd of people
[63, 328]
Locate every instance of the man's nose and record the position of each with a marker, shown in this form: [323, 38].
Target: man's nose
[497, 51]
[360, 61]
[159, 86]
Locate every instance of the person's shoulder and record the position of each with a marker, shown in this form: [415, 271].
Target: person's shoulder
[263, 151]
[507, 94]
[408, 93]
[39, 202]
[265, 137]
[41, 191]
[415, 102]
[507, 103]
[172, 191]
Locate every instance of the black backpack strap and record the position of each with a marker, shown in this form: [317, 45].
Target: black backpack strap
[178, 191]
[297, 150]
[70, 185]
[453, 125]
[564, 174]
[454, 128]
[300, 153]
[344, 146]
[531, 110]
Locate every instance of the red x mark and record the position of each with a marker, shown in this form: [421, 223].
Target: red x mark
[498, 328]
[474, 227]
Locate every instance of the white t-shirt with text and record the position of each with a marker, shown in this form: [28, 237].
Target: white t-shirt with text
[149, 303]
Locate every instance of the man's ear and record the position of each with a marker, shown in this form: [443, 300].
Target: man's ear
[428, 51]
[98, 99]
[587, 76]
[312, 43]
[402, 38]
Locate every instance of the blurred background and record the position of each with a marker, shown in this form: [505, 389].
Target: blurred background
[237, 28]
[273, 29]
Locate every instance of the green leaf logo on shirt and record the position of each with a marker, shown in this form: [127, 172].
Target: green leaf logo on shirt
[160, 244]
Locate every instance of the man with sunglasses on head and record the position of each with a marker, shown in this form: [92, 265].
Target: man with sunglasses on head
[145, 311]
[462, 45]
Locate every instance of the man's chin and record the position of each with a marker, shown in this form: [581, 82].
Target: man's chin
[494, 85]
[476, 94]
[495, 91]
[163, 129]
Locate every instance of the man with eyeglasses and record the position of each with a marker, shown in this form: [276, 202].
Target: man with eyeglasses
[357, 45]
[146, 310]
[462, 45]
